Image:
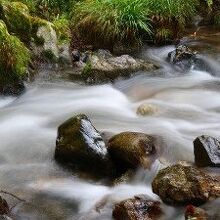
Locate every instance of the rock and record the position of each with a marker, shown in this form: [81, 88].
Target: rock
[137, 208]
[146, 109]
[80, 145]
[50, 45]
[207, 151]
[14, 59]
[132, 149]
[64, 54]
[195, 213]
[4, 207]
[102, 66]
[182, 184]
[184, 59]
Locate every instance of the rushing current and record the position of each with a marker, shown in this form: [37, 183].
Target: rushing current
[188, 105]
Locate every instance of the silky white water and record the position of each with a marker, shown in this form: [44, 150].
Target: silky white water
[188, 105]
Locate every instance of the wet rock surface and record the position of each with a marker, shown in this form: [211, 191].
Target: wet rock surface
[137, 208]
[4, 208]
[13, 88]
[132, 149]
[183, 58]
[81, 145]
[207, 151]
[195, 213]
[102, 66]
[182, 184]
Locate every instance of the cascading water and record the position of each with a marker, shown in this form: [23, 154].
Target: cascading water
[188, 105]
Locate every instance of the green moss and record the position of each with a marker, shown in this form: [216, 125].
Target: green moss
[14, 56]
[61, 26]
[87, 70]
[49, 55]
[17, 18]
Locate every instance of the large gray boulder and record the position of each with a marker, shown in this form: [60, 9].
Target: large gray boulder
[207, 151]
[102, 66]
[81, 146]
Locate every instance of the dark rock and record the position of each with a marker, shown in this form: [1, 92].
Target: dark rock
[80, 145]
[207, 151]
[132, 149]
[4, 207]
[195, 213]
[13, 88]
[183, 58]
[181, 184]
[75, 55]
[137, 208]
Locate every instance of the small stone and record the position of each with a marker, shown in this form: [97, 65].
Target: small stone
[146, 109]
[137, 208]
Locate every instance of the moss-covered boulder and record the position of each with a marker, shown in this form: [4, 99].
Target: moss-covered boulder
[182, 184]
[130, 150]
[81, 146]
[14, 58]
[17, 18]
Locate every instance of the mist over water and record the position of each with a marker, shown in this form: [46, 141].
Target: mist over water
[188, 105]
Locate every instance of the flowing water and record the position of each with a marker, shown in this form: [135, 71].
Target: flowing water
[188, 105]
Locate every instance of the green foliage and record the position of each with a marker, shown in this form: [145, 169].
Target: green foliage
[126, 20]
[111, 19]
[61, 26]
[217, 18]
[14, 56]
[17, 18]
[171, 10]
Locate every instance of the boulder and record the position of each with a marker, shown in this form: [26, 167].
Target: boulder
[182, 184]
[137, 208]
[132, 149]
[48, 35]
[207, 151]
[102, 66]
[80, 145]
[195, 213]
[183, 58]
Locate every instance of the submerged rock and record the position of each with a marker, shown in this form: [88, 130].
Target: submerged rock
[182, 184]
[207, 151]
[146, 109]
[195, 213]
[80, 145]
[137, 208]
[132, 149]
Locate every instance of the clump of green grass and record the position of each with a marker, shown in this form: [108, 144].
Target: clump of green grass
[62, 28]
[127, 21]
[111, 20]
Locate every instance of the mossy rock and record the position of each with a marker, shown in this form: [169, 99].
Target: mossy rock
[14, 59]
[17, 18]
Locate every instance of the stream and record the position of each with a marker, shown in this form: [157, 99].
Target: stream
[188, 105]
